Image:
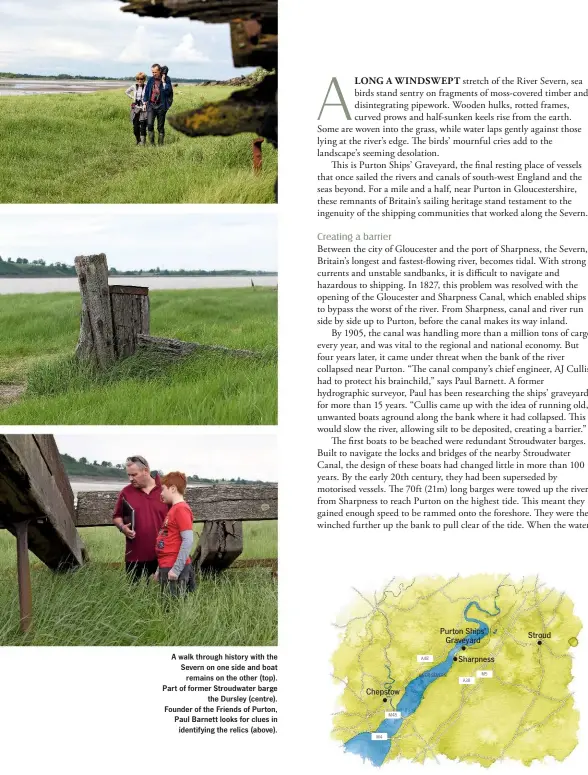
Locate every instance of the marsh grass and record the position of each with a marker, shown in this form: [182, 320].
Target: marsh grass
[203, 389]
[75, 148]
[97, 606]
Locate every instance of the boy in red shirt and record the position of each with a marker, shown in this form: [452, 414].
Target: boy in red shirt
[174, 541]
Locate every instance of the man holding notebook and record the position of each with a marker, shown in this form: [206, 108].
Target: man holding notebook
[139, 515]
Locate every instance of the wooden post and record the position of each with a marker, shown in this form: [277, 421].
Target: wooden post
[96, 341]
[257, 155]
[25, 595]
[130, 317]
[220, 544]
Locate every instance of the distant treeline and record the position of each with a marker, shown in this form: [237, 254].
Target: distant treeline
[68, 77]
[107, 470]
[22, 267]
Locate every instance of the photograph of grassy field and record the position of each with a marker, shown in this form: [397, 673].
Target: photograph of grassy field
[97, 606]
[79, 148]
[42, 383]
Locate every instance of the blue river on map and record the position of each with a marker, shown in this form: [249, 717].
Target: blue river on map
[377, 750]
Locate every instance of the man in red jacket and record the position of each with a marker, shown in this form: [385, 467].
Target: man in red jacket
[143, 495]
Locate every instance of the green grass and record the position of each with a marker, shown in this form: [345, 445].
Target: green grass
[97, 606]
[79, 148]
[203, 389]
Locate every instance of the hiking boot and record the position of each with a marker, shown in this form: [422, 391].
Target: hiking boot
[151, 138]
[143, 139]
[160, 139]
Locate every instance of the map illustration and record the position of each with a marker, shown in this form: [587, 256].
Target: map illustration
[475, 669]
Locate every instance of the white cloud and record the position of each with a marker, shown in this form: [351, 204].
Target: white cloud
[138, 49]
[52, 48]
[41, 12]
[68, 49]
[249, 455]
[186, 52]
[16, 10]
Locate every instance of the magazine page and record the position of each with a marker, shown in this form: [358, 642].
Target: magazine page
[372, 554]
[433, 213]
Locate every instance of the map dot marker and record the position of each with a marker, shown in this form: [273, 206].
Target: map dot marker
[463, 648]
[385, 699]
[539, 642]
[455, 659]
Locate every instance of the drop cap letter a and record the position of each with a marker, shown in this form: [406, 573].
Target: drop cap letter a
[341, 104]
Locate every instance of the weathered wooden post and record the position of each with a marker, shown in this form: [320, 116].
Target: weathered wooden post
[130, 317]
[23, 570]
[257, 155]
[113, 317]
[96, 340]
[219, 545]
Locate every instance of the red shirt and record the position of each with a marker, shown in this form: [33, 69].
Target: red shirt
[156, 91]
[169, 540]
[150, 513]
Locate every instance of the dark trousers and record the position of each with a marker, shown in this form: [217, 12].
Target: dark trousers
[139, 127]
[156, 113]
[137, 569]
[186, 581]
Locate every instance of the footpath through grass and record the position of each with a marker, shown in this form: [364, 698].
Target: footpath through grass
[97, 606]
[38, 335]
[80, 148]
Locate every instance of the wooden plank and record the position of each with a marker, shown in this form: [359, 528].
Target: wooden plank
[48, 448]
[217, 503]
[130, 317]
[215, 11]
[29, 491]
[175, 348]
[254, 43]
[130, 290]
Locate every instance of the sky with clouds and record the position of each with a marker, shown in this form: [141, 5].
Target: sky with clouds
[185, 240]
[95, 38]
[219, 456]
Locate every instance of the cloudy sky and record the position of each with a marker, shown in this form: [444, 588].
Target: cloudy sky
[183, 240]
[250, 456]
[94, 37]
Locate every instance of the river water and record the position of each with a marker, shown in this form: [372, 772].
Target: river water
[15, 86]
[69, 284]
[88, 485]
[30, 86]
[377, 750]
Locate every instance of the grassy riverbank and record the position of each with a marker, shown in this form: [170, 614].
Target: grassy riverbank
[38, 335]
[76, 148]
[96, 606]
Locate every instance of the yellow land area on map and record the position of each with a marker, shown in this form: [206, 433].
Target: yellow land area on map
[505, 693]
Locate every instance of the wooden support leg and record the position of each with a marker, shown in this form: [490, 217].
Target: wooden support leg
[257, 155]
[25, 595]
[219, 545]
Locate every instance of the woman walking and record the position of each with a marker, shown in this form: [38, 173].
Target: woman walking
[138, 108]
